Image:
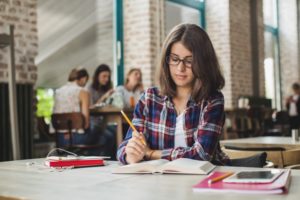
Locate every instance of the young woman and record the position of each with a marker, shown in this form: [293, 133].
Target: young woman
[293, 107]
[72, 97]
[100, 90]
[133, 88]
[101, 87]
[186, 116]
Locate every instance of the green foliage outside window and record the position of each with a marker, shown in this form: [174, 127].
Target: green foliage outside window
[45, 103]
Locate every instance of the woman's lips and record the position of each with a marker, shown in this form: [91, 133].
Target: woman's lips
[180, 76]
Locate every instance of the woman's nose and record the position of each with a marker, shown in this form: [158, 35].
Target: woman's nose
[180, 66]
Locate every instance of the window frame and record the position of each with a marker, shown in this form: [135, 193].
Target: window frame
[118, 43]
[274, 30]
[198, 5]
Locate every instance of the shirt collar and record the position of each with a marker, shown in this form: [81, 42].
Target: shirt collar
[191, 102]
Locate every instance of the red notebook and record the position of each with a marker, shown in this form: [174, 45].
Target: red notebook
[280, 185]
[74, 162]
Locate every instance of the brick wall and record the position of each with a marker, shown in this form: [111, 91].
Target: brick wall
[289, 48]
[240, 41]
[22, 14]
[228, 25]
[261, 53]
[217, 20]
[143, 34]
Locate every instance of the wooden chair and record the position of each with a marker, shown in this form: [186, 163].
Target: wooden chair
[235, 123]
[67, 123]
[282, 123]
[291, 157]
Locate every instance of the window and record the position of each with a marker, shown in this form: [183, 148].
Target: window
[184, 11]
[45, 102]
[271, 61]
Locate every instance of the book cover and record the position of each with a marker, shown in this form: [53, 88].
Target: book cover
[74, 162]
[279, 186]
[178, 166]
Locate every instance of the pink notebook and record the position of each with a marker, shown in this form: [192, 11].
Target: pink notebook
[279, 186]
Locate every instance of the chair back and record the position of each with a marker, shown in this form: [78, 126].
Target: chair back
[67, 122]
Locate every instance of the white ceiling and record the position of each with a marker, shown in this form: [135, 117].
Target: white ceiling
[72, 33]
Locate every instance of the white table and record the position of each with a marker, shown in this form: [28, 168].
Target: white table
[267, 141]
[35, 182]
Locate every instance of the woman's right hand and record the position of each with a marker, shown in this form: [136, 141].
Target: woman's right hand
[135, 148]
[109, 93]
[105, 96]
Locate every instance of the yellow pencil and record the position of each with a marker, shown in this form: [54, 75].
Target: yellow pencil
[219, 178]
[130, 124]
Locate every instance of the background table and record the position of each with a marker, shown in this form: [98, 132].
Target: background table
[37, 182]
[285, 142]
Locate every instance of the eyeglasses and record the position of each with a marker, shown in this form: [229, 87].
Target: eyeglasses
[175, 61]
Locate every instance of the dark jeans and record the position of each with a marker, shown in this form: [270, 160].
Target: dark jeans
[78, 138]
[87, 138]
[106, 136]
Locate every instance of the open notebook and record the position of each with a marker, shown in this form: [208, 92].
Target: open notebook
[178, 166]
[278, 186]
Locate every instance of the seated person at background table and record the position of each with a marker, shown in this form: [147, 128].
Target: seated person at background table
[101, 87]
[186, 116]
[72, 97]
[100, 90]
[293, 106]
[132, 89]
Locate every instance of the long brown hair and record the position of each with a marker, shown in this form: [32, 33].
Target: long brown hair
[95, 84]
[205, 66]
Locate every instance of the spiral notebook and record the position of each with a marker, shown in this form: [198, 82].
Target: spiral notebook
[278, 186]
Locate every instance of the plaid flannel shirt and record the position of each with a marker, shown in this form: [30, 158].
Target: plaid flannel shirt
[155, 117]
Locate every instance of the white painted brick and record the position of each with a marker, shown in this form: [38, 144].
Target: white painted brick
[22, 14]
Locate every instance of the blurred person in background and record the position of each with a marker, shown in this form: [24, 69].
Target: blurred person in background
[293, 107]
[72, 97]
[132, 89]
[101, 87]
[100, 90]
